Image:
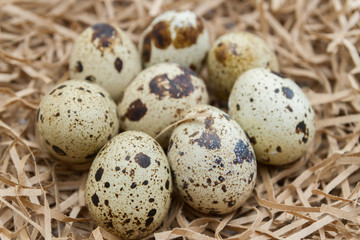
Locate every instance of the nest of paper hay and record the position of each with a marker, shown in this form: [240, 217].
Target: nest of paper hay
[317, 44]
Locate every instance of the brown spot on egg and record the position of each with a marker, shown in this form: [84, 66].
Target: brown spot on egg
[276, 90]
[58, 150]
[231, 203]
[99, 174]
[105, 35]
[151, 200]
[194, 134]
[106, 202]
[117, 168]
[143, 160]
[224, 51]
[149, 221]
[178, 87]
[208, 139]
[133, 185]
[47, 142]
[118, 64]
[301, 128]
[95, 199]
[287, 92]
[278, 149]
[61, 86]
[79, 67]
[289, 108]
[185, 185]
[218, 161]
[135, 111]
[237, 107]
[167, 184]
[187, 35]
[221, 178]
[151, 213]
[242, 152]
[223, 188]
[209, 121]
[161, 36]
[107, 185]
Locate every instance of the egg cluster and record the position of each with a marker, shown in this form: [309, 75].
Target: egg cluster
[211, 156]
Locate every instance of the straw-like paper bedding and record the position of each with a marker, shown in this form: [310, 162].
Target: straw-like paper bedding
[317, 44]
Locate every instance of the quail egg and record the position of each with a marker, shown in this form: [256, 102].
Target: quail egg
[213, 162]
[179, 37]
[275, 113]
[128, 190]
[158, 97]
[234, 53]
[75, 119]
[106, 55]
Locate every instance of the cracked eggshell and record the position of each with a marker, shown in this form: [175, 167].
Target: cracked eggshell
[75, 119]
[234, 53]
[128, 190]
[213, 162]
[158, 97]
[275, 113]
[106, 55]
[178, 37]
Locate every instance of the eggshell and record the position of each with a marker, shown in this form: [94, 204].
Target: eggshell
[213, 163]
[75, 119]
[275, 113]
[158, 97]
[106, 55]
[128, 190]
[178, 37]
[234, 53]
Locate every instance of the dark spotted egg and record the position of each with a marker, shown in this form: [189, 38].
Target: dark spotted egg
[275, 113]
[179, 37]
[75, 119]
[234, 53]
[106, 55]
[158, 97]
[212, 160]
[128, 190]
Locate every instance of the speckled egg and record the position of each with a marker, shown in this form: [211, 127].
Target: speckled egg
[158, 97]
[106, 55]
[234, 53]
[128, 190]
[213, 163]
[179, 37]
[275, 113]
[75, 119]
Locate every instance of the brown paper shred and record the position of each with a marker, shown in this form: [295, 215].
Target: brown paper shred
[317, 43]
